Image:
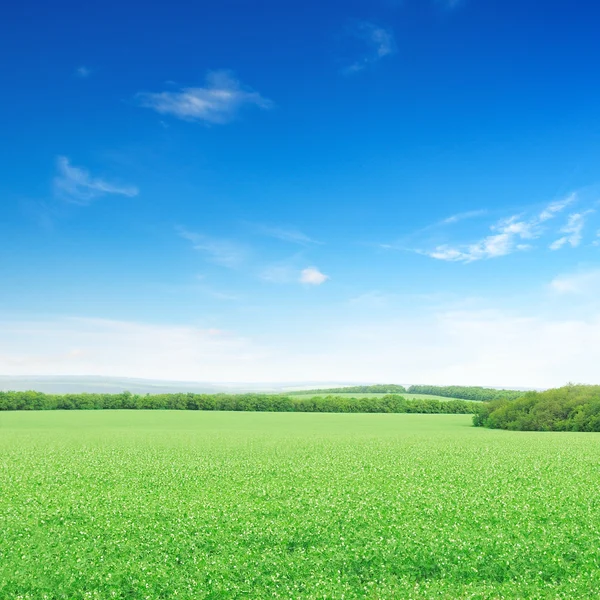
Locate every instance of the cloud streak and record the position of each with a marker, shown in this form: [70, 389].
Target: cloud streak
[218, 102]
[457, 218]
[76, 185]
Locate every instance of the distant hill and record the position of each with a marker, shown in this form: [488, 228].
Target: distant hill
[111, 385]
[115, 385]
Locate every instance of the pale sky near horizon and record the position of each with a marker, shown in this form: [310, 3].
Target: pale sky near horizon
[382, 191]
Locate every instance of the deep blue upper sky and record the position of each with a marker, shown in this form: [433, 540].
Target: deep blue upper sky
[386, 190]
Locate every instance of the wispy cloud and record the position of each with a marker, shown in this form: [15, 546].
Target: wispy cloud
[219, 251]
[76, 185]
[573, 231]
[287, 235]
[218, 102]
[510, 235]
[556, 207]
[407, 241]
[470, 214]
[82, 72]
[379, 43]
[312, 276]
[505, 241]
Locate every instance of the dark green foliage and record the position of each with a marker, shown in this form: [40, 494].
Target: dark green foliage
[570, 408]
[465, 392]
[390, 388]
[389, 403]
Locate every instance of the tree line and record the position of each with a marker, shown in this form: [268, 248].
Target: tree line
[389, 403]
[569, 408]
[465, 392]
[447, 391]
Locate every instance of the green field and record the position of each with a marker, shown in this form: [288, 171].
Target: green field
[404, 395]
[156, 505]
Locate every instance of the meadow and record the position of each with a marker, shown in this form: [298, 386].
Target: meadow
[191, 505]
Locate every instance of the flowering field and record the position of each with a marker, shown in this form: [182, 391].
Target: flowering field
[161, 504]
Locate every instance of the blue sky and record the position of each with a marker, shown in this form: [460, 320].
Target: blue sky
[403, 191]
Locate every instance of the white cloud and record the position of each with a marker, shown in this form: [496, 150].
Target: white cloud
[510, 234]
[76, 185]
[219, 101]
[312, 276]
[379, 41]
[573, 230]
[556, 207]
[220, 251]
[82, 72]
[506, 241]
[584, 282]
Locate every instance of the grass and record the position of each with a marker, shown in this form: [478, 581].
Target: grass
[151, 505]
[405, 395]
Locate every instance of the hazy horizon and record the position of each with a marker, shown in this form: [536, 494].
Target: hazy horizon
[73, 384]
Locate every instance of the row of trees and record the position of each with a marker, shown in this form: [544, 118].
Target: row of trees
[569, 408]
[390, 388]
[465, 392]
[389, 403]
[447, 391]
